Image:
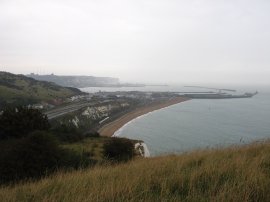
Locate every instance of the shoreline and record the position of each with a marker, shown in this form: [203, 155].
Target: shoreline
[110, 128]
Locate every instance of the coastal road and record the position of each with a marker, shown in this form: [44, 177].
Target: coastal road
[54, 113]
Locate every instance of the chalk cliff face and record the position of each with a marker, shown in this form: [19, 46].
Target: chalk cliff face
[77, 81]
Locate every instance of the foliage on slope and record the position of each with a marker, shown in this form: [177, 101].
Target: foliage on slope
[19, 89]
[19, 122]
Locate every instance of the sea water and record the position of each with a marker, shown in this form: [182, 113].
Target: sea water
[199, 124]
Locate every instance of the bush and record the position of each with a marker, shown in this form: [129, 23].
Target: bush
[29, 157]
[92, 133]
[34, 156]
[118, 149]
[20, 121]
[67, 132]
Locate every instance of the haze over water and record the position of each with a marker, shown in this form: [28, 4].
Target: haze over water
[197, 124]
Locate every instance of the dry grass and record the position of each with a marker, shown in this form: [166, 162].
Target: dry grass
[232, 174]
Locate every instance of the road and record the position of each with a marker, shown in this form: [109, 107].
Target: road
[54, 113]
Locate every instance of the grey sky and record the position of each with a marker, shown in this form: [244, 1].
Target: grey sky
[140, 40]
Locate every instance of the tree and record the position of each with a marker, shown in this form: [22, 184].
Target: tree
[20, 121]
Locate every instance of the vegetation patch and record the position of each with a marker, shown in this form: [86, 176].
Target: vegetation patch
[21, 90]
[31, 149]
[119, 149]
[212, 176]
[20, 121]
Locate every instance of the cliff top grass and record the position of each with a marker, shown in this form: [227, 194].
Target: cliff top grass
[239, 173]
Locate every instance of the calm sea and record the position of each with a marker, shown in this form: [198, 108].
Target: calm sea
[198, 124]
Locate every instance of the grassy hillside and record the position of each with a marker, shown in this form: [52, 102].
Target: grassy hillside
[232, 174]
[19, 89]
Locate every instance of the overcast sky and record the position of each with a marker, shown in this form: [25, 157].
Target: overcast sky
[140, 40]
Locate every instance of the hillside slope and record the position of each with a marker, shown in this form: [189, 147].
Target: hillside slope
[232, 174]
[19, 89]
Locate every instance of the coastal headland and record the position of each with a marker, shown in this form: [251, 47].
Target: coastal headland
[110, 128]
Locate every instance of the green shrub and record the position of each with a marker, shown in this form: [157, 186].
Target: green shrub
[34, 156]
[20, 121]
[29, 157]
[118, 149]
[92, 133]
[66, 132]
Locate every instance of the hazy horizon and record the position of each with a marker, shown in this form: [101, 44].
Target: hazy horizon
[143, 41]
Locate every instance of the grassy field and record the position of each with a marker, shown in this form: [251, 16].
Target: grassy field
[230, 174]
